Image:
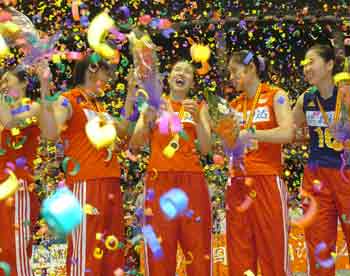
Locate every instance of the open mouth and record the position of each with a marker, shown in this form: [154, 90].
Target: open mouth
[180, 82]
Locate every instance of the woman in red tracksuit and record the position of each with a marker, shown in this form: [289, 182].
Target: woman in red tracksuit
[20, 120]
[257, 219]
[97, 183]
[178, 169]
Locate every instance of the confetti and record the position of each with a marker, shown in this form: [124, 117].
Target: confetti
[5, 268]
[152, 241]
[9, 186]
[310, 215]
[76, 168]
[62, 211]
[325, 263]
[173, 203]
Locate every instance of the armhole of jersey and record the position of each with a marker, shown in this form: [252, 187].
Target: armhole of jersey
[72, 102]
[304, 103]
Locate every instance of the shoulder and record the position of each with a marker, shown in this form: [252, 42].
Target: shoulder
[236, 101]
[270, 90]
[309, 94]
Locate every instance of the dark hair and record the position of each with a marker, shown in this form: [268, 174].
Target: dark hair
[93, 63]
[32, 90]
[327, 53]
[245, 57]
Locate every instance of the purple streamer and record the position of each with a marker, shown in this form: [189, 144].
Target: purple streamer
[153, 87]
[342, 167]
[327, 263]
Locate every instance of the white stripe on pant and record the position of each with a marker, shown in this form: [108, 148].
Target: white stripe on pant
[78, 262]
[22, 233]
[284, 202]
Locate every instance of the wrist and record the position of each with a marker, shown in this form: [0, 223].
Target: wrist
[252, 132]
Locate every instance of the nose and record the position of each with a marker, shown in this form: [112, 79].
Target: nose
[307, 68]
[231, 76]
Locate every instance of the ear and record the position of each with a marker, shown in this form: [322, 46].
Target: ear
[24, 84]
[251, 68]
[330, 65]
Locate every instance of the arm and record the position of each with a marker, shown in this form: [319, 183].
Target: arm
[301, 134]
[298, 112]
[142, 131]
[203, 131]
[123, 124]
[129, 101]
[8, 121]
[47, 120]
[5, 114]
[284, 133]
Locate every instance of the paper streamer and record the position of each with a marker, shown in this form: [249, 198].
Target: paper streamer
[9, 186]
[97, 31]
[65, 166]
[152, 241]
[6, 268]
[309, 216]
[325, 263]
[173, 203]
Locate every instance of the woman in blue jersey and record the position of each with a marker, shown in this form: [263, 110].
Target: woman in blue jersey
[319, 109]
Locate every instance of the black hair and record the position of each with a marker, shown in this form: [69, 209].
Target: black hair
[32, 90]
[327, 53]
[93, 63]
[245, 57]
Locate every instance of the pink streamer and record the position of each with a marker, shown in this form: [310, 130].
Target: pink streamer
[342, 168]
[175, 123]
[163, 123]
[11, 166]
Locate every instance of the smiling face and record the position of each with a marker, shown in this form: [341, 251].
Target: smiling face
[11, 85]
[98, 80]
[241, 75]
[181, 77]
[317, 68]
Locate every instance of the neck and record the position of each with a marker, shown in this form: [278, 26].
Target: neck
[20, 99]
[253, 88]
[177, 96]
[88, 89]
[326, 87]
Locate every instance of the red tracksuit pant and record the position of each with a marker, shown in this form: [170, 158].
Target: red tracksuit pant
[105, 195]
[193, 233]
[333, 200]
[17, 223]
[260, 233]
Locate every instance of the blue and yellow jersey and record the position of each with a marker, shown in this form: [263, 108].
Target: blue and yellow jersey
[325, 151]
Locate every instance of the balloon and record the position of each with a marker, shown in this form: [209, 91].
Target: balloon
[24, 23]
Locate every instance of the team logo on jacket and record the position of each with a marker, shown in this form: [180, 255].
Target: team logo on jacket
[315, 118]
[262, 114]
[311, 104]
